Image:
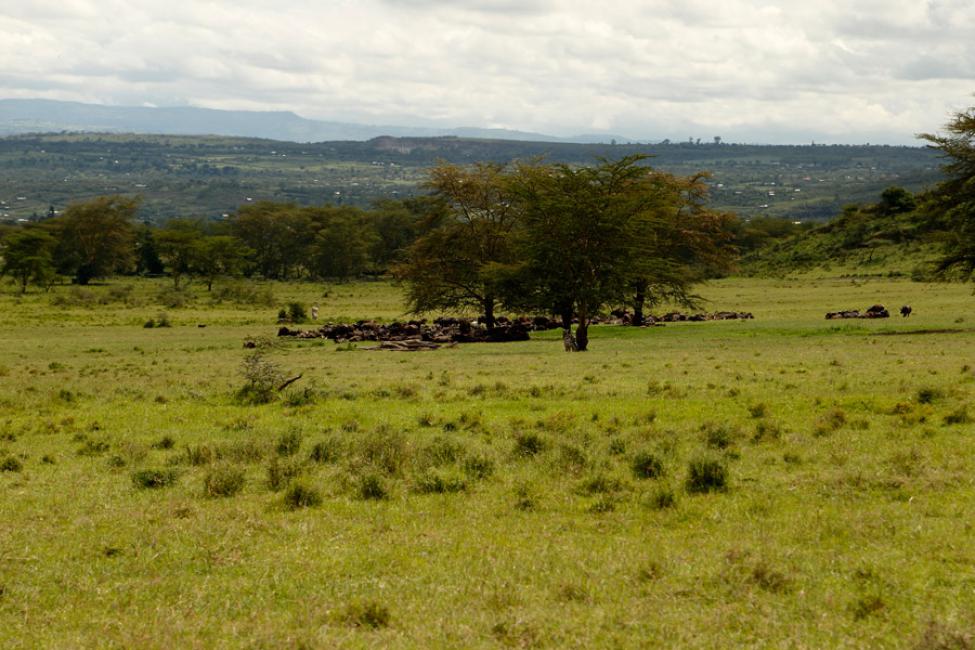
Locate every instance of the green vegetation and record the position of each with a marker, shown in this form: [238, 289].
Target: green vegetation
[182, 176]
[786, 481]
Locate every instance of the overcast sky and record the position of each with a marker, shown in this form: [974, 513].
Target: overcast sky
[830, 70]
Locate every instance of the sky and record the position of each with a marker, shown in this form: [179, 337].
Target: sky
[830, 71]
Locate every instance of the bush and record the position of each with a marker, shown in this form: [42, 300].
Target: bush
[707, 474]
[261, 378]
[300, 495]
[223, 481]
[297, 313]
[647, 465]
[11, 464]
[149, 479]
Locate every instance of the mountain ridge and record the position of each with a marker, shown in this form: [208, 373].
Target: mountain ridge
[24, 116]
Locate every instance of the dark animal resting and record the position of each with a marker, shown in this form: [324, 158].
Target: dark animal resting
[906, 311]
[874, 311]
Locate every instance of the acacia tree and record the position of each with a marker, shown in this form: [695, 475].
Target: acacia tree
[96, 238]
[599, 235]
[27, 256]
[458, 263]
[680, 241]
[953, 200]
[178, 244]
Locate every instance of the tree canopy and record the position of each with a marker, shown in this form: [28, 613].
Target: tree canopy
[953, 200]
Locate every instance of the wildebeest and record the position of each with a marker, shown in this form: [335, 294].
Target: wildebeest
[906, 311]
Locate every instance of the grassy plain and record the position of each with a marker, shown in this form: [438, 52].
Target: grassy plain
[490, 495]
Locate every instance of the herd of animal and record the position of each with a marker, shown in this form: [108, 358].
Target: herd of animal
[874, 311]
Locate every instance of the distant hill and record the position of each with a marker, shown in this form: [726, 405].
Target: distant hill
[20, 116]
[208, 176]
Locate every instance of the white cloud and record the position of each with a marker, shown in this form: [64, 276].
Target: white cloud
[877, 70]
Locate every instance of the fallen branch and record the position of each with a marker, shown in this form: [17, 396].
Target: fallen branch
[288, 383]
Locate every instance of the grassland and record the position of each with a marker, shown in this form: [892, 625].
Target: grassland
[490, 495]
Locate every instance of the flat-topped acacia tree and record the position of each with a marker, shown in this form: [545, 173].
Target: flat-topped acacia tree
[458, 263]
[608, 234]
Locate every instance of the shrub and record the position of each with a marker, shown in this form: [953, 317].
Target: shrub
[149, 479]
[647, 465]
[529, 444]
[365, 614]
[297, 313]
[261, 378]
[707, 474]
[372, 488]
[223, 481]
[299, 495]
[11, 464]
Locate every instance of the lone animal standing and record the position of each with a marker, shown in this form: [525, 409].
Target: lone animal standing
[906, 311]
[569, 341]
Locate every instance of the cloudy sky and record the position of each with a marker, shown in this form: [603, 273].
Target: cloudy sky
[747, 70]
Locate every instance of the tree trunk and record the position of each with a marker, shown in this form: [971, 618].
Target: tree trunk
[638, 301]
[582, 330]
[489, 313]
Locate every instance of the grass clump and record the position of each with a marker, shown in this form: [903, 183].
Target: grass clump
[478, 467]
[288, 444]
[928, 395]
[646, 464]
[958, 416]
[325, 451]
[365, 614]
[372, 487]
[719, 435]
[529, 444]
[280, 474]
[151, 479]
[706, 474]
[440, 482]
[829, 422]
[299, 495]
[11, 464]
[166, 442]
[223, 481]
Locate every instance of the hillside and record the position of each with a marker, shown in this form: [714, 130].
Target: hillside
[210, 176]
[892, 237]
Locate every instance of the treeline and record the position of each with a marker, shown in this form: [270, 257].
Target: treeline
[281, 241]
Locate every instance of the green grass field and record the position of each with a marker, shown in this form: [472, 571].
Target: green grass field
[786, 482]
